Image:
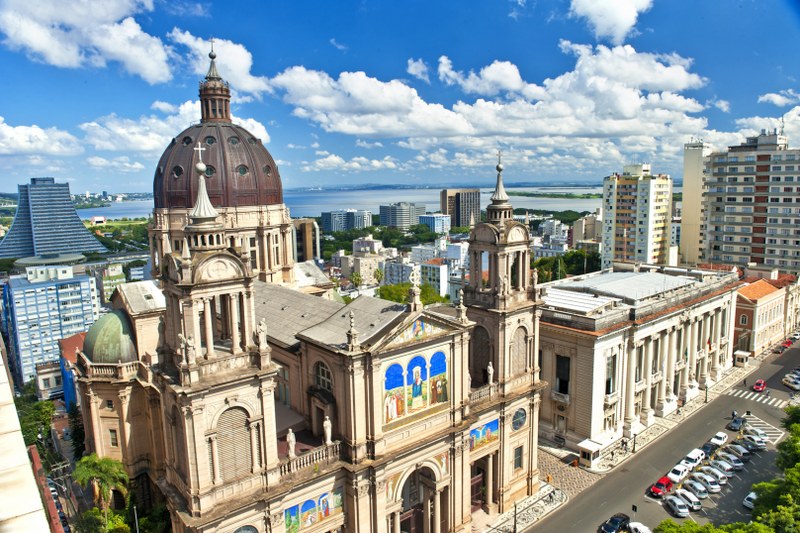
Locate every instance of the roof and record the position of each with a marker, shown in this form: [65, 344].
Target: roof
[757, 290]
[288, 311]
[435, 261]
[782, 280]
[371, 316]
[69, 346]
[110, 340]
[307, 273]
[142, 297]
[579, 302]
[630, 286]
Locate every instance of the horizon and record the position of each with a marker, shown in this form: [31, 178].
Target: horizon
[577, 88]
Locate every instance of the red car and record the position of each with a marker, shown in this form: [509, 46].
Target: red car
[661, 487]
[759, 385]
[788, 342]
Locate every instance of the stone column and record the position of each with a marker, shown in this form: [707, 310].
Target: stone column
[437, 511]
[630, 391]
[234, 316]
[704, 342]
[253, 428]
[426, 510]
[647, 416]
[683, 354]
[396, 524]
[215, 458]
[692, 345]
[209, 323]
[715, 373]
[490, 483]
[666, 379]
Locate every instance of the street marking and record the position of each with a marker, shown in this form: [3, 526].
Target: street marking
[759, 397]
[774, 434]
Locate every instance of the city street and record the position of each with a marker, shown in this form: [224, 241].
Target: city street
[627, 485]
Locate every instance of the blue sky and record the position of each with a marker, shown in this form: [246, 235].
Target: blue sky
[393, 92]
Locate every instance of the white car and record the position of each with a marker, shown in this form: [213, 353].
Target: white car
[731, 459]
[720, 438]
[692, 501]
[678, 473]
[693, 458]
[711, 484]
[638, 527]
[758, 441]
[749, 500]
[696, 488]
[760, 433]
[721, 478]
[791, 381]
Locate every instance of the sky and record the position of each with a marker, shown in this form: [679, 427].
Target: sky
[394, 92]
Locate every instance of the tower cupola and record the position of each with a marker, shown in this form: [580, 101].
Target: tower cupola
[215, 95]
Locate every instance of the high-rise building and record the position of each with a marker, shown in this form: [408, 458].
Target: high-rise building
[692, 229]
[401, 215]
[753, 203]
[438, 223]
[463, 206]
[46, 223]
[346, 219]
[306, 239]
[637, 209]
[42, 307]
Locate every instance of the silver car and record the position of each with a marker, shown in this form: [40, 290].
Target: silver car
[677, 506]
[718, 475]
[732, 460]
[696, 488]
[692, 501]
[707, 481]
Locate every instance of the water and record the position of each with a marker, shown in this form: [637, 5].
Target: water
[303, 203]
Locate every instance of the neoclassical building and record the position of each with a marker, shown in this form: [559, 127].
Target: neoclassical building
[623, 348]
[248, 406]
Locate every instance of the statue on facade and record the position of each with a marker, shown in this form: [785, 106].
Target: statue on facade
[261, 333]
[327, 429]
[187, 347]
[489, 373]
[535, 276]
[291, 442]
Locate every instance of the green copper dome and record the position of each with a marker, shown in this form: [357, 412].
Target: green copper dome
[110, 340]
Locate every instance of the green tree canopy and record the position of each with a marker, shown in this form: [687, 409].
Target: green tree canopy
[104, 475]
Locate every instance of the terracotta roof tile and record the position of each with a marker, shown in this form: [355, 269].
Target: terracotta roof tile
[756, 290]
[70, 344]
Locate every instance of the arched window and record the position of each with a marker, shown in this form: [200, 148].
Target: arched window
[479, 357]
[743, 320]
[233, 443]
[519, 352]
[322, 377]
[246, 529]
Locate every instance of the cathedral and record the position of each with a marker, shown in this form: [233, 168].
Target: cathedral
[248, 406]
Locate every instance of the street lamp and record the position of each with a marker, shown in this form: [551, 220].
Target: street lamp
[634, 443]
[706, 393]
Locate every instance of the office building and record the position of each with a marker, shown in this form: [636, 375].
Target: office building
[587, 228]
[345, 219]
[463, 206]
[42, 307]
[637, 213]
[46, 223]
[401, 215]
[753, 203]
[438, 223]
[306, 240]
[435, 272]
[695, 185]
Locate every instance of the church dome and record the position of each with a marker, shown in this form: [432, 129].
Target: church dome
[110, 340]
[239, 171]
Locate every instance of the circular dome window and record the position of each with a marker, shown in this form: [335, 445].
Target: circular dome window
[252, 140]
[242, 170]
[267, 170]
[234, 140]
[187, 141]
[210, 171]
[177, 171]
[210, 140]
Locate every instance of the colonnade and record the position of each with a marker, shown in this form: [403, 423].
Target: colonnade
[508, 271]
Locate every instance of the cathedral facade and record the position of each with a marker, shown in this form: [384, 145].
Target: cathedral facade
[248, 406]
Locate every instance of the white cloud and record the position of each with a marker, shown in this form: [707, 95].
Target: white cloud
[117, 164]
[164, 107]
[365, 144]
[86, 34]
[612, 19]
[234, 62]
[338, 46]
[722, 105]
[780, 99]
[418, 69]
[36, 140]
[357, 164]
[499, 77]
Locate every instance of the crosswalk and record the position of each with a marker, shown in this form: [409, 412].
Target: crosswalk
[774, 434]
[758, 397]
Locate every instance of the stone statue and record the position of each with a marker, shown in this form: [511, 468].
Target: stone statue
[490, 373]
[187, 347]
[291, 442]
[327, 428]
[535, 276]
[261, 332]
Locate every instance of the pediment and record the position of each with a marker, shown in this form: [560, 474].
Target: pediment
[517, 234]
[419, 329]
[485, 233]
[218, 268]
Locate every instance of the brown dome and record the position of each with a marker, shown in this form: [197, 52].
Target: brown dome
[241, 172]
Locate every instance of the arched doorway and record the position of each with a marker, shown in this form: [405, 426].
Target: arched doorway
[424, 507]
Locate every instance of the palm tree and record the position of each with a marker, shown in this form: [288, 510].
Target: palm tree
[355, 278]
[378, 275]
[104, 475]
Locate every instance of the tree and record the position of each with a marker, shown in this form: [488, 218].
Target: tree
[378, 275]
[355, 277]
[104, 475]
[76, 431]
[399, 293]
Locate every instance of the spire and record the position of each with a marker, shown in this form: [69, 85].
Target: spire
[499, 195]
[213, 75]
[352, 334]
[215, 95]
[500, 209]
[203, 211]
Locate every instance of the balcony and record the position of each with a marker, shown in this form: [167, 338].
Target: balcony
[559, 397]
[610, 399]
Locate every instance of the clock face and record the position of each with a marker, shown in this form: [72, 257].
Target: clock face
[519, 419]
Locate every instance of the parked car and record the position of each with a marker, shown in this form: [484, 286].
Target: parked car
[791, 382]
[693, 458]
[616, 524]
[739, 451]
[677, 506]
[747, 444]
[722, 465]
[692, 501]
[709, 448]
[678, 473]
[721, 478]
[787, 342]
[638, 527]
[759, 442]
[796, 336]
[731, 459]
[759, 385]
[760, 433]
[696, 488]
[736, 424]
[749, 500]
[707, 481]
[719, 438]
[660, 488]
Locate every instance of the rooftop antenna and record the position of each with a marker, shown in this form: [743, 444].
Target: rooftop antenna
[781, 130]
